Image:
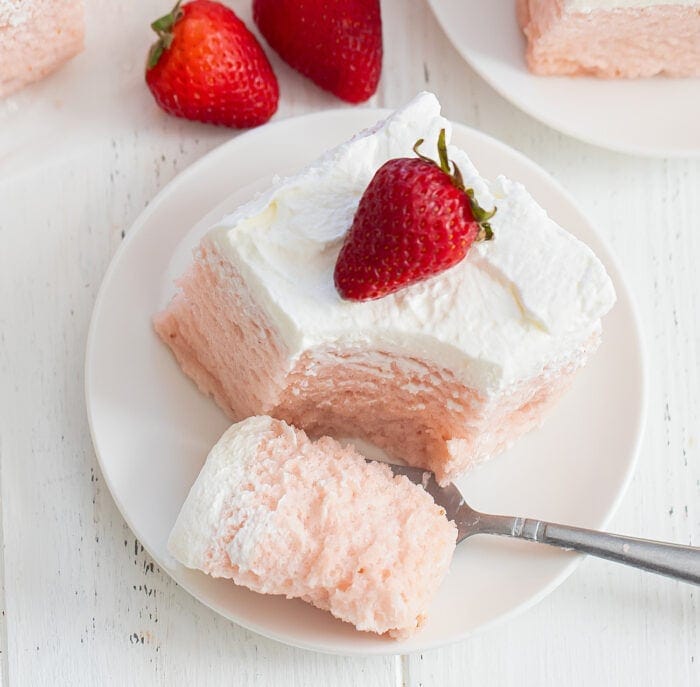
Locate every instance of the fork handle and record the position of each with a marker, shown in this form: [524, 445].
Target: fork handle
[672, 560]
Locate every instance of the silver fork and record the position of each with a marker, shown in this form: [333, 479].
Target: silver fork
[672, 560]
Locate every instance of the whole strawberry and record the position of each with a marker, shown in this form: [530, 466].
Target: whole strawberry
[338, 44]
[207, 66]
[415, 219]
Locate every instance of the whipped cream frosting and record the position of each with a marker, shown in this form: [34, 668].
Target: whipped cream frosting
[590, 5]
[514, 304]
[227, 467]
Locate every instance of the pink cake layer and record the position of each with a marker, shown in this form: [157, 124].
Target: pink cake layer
[624, 42]
[279, 514]
[415, 409]
[37, 37]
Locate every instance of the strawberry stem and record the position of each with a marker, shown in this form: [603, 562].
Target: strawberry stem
[442, 153]
[417, 145]
[480, 215]
[163, 26]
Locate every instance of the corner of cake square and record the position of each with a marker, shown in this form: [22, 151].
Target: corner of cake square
[441, 374]
[612, 38]
[36, 38]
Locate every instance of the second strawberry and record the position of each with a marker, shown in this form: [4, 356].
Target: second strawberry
[338, 45]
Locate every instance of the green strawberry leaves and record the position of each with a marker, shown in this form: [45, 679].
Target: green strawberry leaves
[163, 27]
[481, 216]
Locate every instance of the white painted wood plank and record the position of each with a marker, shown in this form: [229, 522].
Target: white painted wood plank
[86, 606]
[3, 623]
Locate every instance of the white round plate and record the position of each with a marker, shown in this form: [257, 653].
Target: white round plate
[152, 429]
[657, 117]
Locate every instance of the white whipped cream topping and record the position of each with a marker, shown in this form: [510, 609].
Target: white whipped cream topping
[201, 523]
[511, 306]
[590, 5]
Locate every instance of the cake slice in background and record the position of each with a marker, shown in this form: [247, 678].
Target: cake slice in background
[37, 37]
[279, 514]
[612, 38]
[443, 373]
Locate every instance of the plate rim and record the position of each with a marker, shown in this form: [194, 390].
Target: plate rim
[378, 649]
[654, 152]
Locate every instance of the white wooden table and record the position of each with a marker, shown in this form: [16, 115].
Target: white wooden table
[81, 154]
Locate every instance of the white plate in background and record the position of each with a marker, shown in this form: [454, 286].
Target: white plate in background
[657, 117]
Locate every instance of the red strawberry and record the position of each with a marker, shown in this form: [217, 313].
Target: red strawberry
[208, 67]
[415, 219]
[338, 44]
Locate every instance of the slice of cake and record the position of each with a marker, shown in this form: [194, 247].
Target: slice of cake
[612, 38]
[443, 373]
[279, 514]
[37, 37]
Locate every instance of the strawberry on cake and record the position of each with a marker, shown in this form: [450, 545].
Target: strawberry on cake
[612, 38]
[37, 37]
[377, 294]
[279, 514]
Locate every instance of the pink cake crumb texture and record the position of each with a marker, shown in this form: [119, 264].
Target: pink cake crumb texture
[37, 37]
[626, 42]
[316, 521]
[414, 409]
